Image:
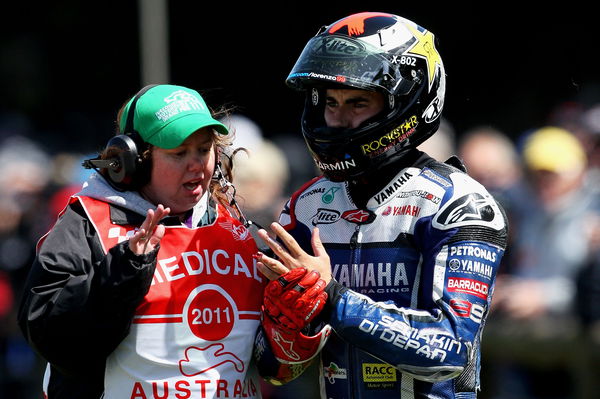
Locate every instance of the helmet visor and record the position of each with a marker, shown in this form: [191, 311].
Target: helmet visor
[342, 60]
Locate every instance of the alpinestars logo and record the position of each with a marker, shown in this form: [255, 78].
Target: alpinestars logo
[359, 216]
[473, 208]
[287, 347]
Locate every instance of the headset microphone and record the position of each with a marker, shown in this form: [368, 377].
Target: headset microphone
[98, 163]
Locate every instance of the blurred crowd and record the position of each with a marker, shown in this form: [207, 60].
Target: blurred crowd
[543, 333]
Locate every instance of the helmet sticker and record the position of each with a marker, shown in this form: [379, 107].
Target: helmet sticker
[315, 96]
[433, 110]
[388, 140]
[340, 165]
[424, 47]
[356, 23]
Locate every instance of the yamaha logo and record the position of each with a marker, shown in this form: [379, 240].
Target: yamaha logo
[454, 264]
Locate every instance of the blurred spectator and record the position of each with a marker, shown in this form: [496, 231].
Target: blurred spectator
[591, 122]
[261, 176]
[24, 178]
[492, 159]
[534, 305]
[301, 165]
[261, 171]
[554, 242]
[442, 145]
[588, 282]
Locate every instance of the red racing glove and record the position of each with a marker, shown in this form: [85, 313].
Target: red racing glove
[290, 303]
[295, 298]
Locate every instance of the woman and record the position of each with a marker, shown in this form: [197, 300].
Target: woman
[131, 293]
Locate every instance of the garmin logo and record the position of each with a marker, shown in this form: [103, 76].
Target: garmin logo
[341, 165]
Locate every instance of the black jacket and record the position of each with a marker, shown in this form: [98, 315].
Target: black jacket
[78, 302]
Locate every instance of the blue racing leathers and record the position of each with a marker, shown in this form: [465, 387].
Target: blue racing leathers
[413, 274]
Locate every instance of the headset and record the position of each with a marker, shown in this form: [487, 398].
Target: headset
[125, 167]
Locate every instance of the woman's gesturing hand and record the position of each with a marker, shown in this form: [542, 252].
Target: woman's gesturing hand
[150, 232]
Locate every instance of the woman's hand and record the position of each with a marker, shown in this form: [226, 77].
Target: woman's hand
[150, 233]
[294, 256]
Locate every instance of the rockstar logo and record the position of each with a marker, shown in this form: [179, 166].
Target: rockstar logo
[424, 47]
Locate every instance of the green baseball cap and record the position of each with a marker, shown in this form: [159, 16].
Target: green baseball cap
[166, 115]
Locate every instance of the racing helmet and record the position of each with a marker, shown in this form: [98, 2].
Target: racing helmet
[378, 52]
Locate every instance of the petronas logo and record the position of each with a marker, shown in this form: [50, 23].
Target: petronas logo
[329, 195]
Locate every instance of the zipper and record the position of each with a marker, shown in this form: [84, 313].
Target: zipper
[354, 239]
[354, 245]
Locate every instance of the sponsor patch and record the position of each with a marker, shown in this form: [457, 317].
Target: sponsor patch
[422, 194]
[328, 197]
[473, 267]
[405, 210]
[464, 308]
[320, 190]
[379, 376]
[434, 177]
[333, 372]
[390, 190]
[378, 372]
[468, 286]
[359, 216]
[470, 209]
[325, 216]
[373, 277]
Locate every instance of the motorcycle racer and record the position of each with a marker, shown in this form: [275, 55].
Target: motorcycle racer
[408, 246]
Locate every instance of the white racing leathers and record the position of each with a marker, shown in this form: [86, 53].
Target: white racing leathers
[413, 278]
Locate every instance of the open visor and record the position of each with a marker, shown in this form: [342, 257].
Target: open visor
[336, 59]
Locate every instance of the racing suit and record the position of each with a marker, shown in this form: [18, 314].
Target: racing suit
[413, 275]
[176, 322]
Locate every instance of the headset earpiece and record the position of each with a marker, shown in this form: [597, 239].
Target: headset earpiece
[124, 162]
[127, 160]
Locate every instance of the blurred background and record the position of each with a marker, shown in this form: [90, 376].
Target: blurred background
[522, 109]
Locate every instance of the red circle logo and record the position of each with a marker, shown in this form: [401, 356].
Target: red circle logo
[211, 315]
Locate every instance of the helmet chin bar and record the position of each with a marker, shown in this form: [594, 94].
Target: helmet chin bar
[351, 154]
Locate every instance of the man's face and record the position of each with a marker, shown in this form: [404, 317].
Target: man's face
[348, 108]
